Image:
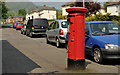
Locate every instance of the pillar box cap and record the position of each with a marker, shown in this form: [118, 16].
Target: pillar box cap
[77, 9]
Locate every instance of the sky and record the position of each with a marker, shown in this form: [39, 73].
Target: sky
[51, 0]
[52, 3]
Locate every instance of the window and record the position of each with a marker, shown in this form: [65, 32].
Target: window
[57, 24]
[64, 24]
[54, 26]
[86, 29]
[50, 27]
[117, 8]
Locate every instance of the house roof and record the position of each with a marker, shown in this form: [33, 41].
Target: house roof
[47, 8]
[73, 3]
[113, 3]
[13, 16]
[43, 8]
[68, 4]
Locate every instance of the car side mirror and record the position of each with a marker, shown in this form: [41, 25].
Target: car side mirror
[87, 36]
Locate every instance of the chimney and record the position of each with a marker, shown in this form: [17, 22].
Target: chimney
[37, 8]
[44, 6]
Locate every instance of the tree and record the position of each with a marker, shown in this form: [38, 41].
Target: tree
[22, 12]
[4, 10]
[93, 7]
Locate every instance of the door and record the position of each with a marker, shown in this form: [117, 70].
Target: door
[87, 40]
[49, 32]
[56, 31]
[53, 34]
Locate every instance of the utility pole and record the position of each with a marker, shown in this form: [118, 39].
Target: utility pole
[83, 3]
[0, 12]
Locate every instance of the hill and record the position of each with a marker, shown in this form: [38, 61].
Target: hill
[15, 6]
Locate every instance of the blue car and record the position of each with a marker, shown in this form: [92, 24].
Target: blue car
[14, 24]
[101, 40]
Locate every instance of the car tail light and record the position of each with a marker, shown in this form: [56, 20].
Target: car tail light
[32, 28]
[60, 32]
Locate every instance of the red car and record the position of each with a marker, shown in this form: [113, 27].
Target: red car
[19, 25]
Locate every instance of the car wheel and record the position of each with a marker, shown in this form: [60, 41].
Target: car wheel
[47, 41]
[26, 33]
[67, 46]
[21, 32]
[97, 55]
[31, 35]
[58, 44]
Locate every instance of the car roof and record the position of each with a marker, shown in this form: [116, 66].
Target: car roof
[61, 20]
[100, 22]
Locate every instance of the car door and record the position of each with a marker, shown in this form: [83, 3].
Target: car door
[55, 30]
[88, 41]
[49, 32]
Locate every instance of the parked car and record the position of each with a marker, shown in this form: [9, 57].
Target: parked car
[57, 32]
[23, 30]
[19, 25]
[101, 40]
[36, 26]
[14, 24]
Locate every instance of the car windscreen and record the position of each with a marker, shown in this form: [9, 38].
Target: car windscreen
[64, 24]
[20, 24]
[41, 22]
[104, 28]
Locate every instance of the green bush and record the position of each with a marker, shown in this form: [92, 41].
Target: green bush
[117, 22]
[106, 17]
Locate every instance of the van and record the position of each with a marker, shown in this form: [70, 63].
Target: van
[36, 26]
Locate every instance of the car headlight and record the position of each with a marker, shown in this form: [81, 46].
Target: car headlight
[111, 46]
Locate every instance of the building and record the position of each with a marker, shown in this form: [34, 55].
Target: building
[46, 12]
[65, 6]
[114, 8]
[13, 19]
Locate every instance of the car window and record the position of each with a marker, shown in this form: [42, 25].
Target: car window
[86, 29]
[57, 25]
[54, 26]
[50, 27]
[64, 24]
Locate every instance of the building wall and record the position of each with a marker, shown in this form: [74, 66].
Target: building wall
[13, 20]
[114, 10]
[64, 10]
[48, 14]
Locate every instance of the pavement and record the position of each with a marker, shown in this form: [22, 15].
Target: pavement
[22, 54]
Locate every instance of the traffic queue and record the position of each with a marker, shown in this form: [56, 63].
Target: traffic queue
[101, 37]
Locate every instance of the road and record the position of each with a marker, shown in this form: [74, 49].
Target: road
[22, 54]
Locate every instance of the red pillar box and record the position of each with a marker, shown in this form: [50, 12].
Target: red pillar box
[76, 43]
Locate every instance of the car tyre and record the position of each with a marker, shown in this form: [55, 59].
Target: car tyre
[31, 35]
[98, 55]
[66, 46]
[26, 33]
[58, 44]
[47, 41]
[21, 32]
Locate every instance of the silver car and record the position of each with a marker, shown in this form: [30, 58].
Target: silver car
[57, 32]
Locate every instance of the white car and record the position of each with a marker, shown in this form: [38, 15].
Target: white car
[57, 32]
